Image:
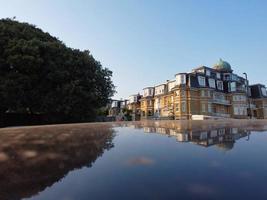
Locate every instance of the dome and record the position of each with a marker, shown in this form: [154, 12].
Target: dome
[222, 66]
[226, 146]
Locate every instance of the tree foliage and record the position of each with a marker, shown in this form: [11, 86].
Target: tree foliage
[40, 74]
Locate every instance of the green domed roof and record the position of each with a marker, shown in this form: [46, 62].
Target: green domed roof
[222, 66]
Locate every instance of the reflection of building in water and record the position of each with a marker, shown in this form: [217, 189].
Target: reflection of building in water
[163, 130]
[180, 136]
[149, 129]
[223, 137]
[32, 159]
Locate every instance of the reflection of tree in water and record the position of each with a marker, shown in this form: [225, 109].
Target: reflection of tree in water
[32, 159]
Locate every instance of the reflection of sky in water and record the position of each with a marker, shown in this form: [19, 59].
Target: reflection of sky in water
[145, 165]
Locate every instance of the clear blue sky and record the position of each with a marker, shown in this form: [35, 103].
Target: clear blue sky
[146, 42]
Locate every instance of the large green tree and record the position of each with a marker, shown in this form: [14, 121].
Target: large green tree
[41, 75]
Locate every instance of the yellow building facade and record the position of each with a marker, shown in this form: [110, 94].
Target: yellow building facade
[204, 93]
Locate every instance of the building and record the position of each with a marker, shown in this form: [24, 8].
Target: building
[147, 103]
[258, 101]
[116, 109]
[204, 92]
[163, 100]
[134, 106]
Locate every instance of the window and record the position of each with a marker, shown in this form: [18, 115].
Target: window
[240, 110]
[209, 108]
[182, 93]
[245, 111]
[233, 86]
[213, 133]
[148, 92]
[203, 135]
[263, 91]
[219, 85]
[202, 93]
[157, 103]
[212, 83]
[177, 107]
[207, 72]
[145, 93]
[239, 98]
[221, 131]
[218, 75]
[159, 90]
[201, 81]
[165, 101]
[183, 106]
[234, 98]
[243, 87]
[236, 111]
[234, 77]
[203, 107]
[249, 91]
[227, 77]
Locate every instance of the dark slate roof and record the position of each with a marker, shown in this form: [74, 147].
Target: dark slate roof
[256, 91]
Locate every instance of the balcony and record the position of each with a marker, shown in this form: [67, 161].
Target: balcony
[241, 89]
[221, 101]
[252, 106]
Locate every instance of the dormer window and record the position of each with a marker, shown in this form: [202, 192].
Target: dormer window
[233, 86]
[218, 75]
[212, 83]
[148, 92]
[180, 79]
[207, 72]
[263, 91]
[219, 85]
[201, 81]
[201, 70]
[227, 77]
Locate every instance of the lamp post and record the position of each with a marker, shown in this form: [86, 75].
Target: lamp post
[249, 109]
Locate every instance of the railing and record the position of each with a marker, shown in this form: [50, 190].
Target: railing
[221, 115]
[221, 101]
[241, 89]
